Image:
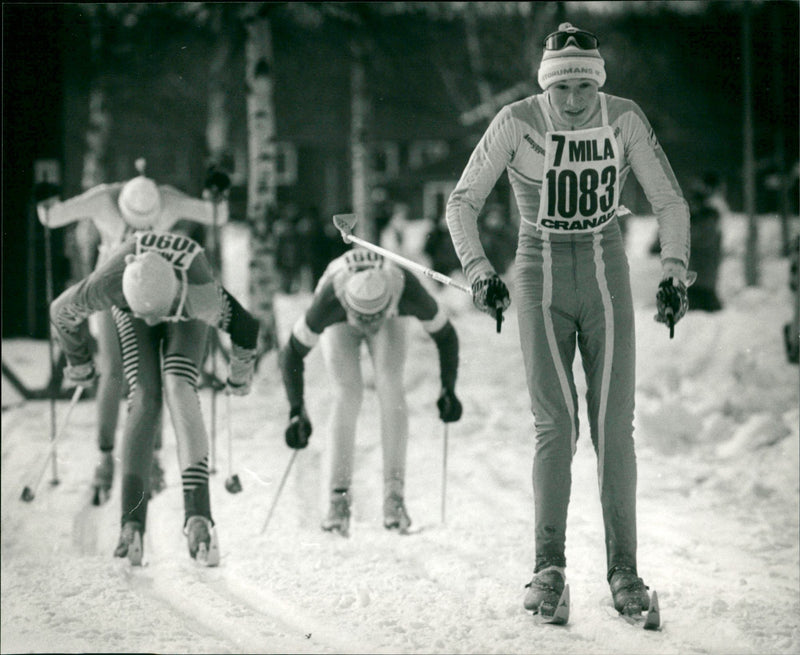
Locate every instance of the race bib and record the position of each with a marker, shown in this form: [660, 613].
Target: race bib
[353, 261]
[580, 185]
[361, 259]
[178, 250]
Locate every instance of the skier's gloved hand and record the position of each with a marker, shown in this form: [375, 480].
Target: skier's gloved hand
[299, 429]
[490, 293]
[449, 405]
[217, 183]
[672, 302]
[79, 375]
[240, 373]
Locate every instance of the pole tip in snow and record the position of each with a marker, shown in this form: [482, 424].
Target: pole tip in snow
[27, 494]
[345, 223]
[233, 485]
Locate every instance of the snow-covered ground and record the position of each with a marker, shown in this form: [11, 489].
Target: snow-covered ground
[717, 443]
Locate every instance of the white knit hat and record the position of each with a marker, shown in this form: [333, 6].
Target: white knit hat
[367, 292]
[571, 63]
[140, 202]
[149, 284]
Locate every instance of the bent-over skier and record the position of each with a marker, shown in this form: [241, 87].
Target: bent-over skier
[362, 298]
[106, 215]
[163, 293]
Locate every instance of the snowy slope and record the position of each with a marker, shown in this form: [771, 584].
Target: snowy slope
[717, 439]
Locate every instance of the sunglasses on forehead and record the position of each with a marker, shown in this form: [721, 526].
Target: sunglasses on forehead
[581, 39]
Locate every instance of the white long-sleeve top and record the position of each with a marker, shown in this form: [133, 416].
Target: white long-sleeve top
[515, 141]
[99, 204]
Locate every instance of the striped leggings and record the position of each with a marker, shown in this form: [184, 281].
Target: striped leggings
[162, 361]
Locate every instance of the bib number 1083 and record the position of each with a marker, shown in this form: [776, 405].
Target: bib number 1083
[569, 192]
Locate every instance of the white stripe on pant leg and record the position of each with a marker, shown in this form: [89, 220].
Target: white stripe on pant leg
[555, 353]
[608, 354]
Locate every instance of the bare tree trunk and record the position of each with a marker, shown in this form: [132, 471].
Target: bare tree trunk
[218, 127]
[94, 171]
[751, 272]
[82, 240]
[779, 134]
[359, 146]
[261, 186]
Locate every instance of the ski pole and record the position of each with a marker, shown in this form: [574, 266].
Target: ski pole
[29, 492]
[444, 471]
[213, 344]
[213, 355]
[345, 224]
[232, 483]
[280, 488]
[48, 258]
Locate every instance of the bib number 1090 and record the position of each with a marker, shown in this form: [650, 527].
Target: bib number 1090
[569, 192]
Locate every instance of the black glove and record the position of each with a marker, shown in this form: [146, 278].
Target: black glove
[299, 429]
[217, 183]
[449, 405]
[672, 302]
[490, 293]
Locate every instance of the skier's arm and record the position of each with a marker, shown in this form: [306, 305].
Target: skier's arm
[290, 360]
[325, 310]
[654, 173]
[179, 206]
[94, 203]
[100, 290]
[292, 368]
[416, 301]
[487, 162]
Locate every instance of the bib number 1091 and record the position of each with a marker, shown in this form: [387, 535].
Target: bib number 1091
[569, 192]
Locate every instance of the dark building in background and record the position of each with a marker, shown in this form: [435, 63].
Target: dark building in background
[32, 134]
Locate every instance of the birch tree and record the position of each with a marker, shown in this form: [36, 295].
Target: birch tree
[359, 144]
[261, 174]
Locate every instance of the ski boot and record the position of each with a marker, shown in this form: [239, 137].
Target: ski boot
[201, 538]
[628, 591]
[548, 595]
[395, 516]
[130, 542]
[338, 519]
[103, 478]
[157, 483]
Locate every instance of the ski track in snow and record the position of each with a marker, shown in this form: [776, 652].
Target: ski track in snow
[717, 448]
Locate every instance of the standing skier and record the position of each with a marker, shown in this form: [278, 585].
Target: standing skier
[163, 294]
[568, 152]
[116, 211]
[362, 298]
